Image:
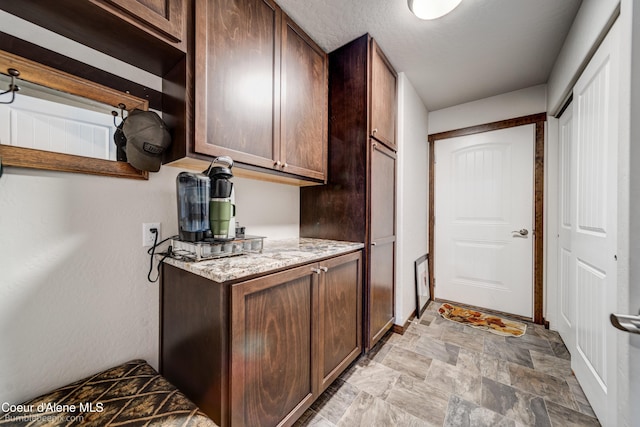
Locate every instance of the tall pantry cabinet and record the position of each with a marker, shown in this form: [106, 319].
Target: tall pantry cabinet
[358, 202]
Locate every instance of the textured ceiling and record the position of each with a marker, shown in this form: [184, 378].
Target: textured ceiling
[483, 48]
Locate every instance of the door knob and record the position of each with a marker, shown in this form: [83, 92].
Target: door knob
[626, 323]
[522, 232]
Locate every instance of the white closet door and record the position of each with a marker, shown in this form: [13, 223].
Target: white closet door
[594, 210]
[566, 262]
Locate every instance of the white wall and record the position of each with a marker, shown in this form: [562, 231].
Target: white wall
[509, 105]
[588, 29]
[629, 365]
[74, 296]
[413, 194]
[268, 209]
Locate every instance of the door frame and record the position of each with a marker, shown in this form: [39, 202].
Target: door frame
[538, 195]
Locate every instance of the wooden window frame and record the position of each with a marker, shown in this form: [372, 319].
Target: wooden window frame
[46, 160]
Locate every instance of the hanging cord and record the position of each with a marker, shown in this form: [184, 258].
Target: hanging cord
[152, 251]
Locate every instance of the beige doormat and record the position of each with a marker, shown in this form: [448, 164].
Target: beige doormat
[476, 319]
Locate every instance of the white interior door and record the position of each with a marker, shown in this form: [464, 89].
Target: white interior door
[483, 197]
[566, 262]
[593, 228]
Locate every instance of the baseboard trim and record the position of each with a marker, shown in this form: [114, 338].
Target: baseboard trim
[401, 329]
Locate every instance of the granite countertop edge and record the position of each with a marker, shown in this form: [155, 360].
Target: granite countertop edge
[276, 255]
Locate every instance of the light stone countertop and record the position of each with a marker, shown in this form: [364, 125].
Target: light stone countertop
[276, 254]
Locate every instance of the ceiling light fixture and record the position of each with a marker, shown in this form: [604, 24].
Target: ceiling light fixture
[432, 9]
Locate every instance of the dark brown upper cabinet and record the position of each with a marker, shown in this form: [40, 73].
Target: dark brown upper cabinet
[235, 80]
[383, 98]
[304, 108]
[166, 17]
[150, 34]
[260, 89]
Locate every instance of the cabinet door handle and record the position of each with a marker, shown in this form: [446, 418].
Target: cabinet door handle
[325, 269]
[277, 163]
[374, 131]
[315, 270]
[284, 165]
[373, 243]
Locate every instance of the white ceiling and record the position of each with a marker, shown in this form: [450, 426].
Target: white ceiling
[483, 48]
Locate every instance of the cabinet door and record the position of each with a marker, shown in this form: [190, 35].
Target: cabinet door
[381, 290]
[237, 80]
[165, 16]
[383, 98]
[272, 348]
[304, 94]
[339, 315]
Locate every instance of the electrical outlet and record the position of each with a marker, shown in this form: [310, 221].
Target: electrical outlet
[147, 236]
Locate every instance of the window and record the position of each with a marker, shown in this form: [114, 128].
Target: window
[61, 122]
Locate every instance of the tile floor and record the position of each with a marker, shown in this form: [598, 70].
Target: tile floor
[440, 373]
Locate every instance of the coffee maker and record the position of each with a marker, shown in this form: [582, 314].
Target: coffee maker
[193, 191]
[207, 216]
[222, 204]
[206, 203]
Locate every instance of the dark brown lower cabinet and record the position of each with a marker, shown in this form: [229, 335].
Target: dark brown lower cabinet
[272, 347]
[339, 316]
[381, 290]
[259, 352]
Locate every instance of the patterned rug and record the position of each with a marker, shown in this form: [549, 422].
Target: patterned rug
[476, 319]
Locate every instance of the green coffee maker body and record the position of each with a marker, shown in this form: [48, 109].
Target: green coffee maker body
[222, 205]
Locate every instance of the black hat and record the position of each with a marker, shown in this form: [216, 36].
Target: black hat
[147, 138]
